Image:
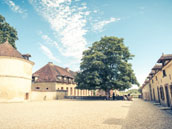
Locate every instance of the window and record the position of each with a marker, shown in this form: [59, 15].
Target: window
[164, 73]
[46, 88]
[152, 81]
[61, 88]
[156, 78]
[67, 90]
[37, 87]
[170, 76]
[71, 91]
[74, 91]
[78, 92]
[162, 93]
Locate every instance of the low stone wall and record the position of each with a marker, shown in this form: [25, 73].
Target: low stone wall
[39, 96]
[86, 97]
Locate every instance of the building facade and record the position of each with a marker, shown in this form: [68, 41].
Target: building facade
[158, 85]
[15, 74]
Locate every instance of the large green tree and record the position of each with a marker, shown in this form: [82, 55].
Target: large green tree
[7, 32]
[105, 66]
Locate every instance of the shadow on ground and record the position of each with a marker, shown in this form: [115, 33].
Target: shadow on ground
[114, 121]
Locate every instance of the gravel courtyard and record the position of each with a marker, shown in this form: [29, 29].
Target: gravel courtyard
[66, 114]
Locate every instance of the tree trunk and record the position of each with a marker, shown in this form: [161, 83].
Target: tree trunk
[108, 94]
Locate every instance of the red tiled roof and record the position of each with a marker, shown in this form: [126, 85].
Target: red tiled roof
[49, 73]
[165, 57]
[6, 49]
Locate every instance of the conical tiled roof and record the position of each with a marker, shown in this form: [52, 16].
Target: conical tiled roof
[6, 49]
[49, 73]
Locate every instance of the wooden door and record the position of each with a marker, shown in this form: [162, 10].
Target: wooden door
[26, 96]
[158, 95]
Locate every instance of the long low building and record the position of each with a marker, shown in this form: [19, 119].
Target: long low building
[52, 78]
[158, 85]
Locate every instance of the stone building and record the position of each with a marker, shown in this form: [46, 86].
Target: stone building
[159, 82]
[15, 74]
[145, 91]
[52, 78]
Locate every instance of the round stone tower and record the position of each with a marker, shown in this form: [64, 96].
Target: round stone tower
[15, 74]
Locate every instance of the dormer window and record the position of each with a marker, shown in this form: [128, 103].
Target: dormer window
[72, 80]
[69, 80]
[34, 78]
[59, 77]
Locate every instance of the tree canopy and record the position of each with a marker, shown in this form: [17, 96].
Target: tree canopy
[7, 32]
[105, 66]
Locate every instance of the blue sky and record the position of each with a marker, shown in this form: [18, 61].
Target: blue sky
[59, 30]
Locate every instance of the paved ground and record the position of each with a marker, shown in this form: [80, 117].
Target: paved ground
[63, 115]
[67, 114]
[146, 115]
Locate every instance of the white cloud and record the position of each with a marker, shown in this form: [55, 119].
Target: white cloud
[95, 11]
[15, 8]
[68, 20]
[68, 23]
[100, 25]
[73, 64]
[48, 53]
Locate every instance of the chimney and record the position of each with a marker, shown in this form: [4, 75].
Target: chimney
[50, 63]
[67, 69]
